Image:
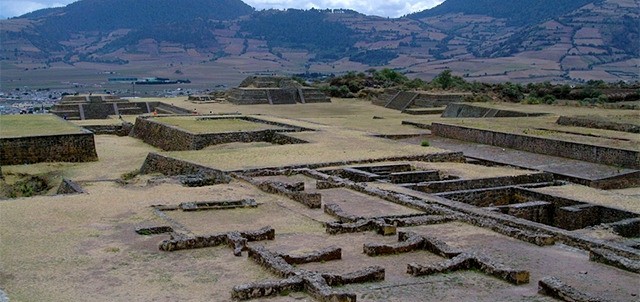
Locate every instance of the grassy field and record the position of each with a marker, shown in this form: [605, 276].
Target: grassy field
[35, 125]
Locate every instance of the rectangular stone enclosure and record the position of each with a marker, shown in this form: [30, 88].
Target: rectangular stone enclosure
[184, 133]
[33, 139]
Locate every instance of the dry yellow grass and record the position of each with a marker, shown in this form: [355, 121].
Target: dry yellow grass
[195, 125]
[83, 247]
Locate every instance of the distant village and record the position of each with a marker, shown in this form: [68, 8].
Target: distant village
[40, 100]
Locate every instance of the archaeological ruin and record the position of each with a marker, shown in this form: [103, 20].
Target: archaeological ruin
[417, 197]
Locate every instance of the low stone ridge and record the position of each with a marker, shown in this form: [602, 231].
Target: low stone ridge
[468, 261]
[218, 205]
[408, 245]
[554, 287]
[336, 211]
[154, 230]
[383, 225]
[311, 200]
[408, 242]
[370, 274]
[267, 288]
[419, 220]
[236, 240]
[68, 186]
[201, 179]
[327, 254]
[317, 285]
[610, 258]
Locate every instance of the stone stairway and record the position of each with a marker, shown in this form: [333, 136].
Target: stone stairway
[402, 100]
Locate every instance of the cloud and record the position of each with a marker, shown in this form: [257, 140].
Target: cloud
[13, 8]
[386, 8]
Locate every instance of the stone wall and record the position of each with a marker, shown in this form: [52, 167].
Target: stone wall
[102, 110]
[120, 130]
[54, 148]
[467, 110]
[156, 163]
[593, 123]
[417, 99]
[591, 153]
[163, 136]
[470, 184]
[170, 138]
[551, 210]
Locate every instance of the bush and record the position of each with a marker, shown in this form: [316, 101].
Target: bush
[425, 143]
[477, 98]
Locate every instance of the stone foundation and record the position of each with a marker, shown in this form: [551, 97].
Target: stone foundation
[469, 261]
[311, 200]
[553, 287]
[590, 153]
[236, 240]
[609, 258]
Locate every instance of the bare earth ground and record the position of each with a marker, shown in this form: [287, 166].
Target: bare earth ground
[84, 248]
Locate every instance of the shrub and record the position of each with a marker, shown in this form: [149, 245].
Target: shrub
[425, 143]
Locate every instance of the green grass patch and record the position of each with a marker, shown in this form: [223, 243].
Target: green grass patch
[35, 125]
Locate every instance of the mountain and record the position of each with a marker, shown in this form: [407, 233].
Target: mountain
[485, 40]
[516, 12]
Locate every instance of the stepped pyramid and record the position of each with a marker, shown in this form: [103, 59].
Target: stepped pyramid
[274, 91]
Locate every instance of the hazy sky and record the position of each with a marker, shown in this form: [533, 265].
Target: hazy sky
[385, 8]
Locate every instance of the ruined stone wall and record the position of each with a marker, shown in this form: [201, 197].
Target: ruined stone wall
[169, 108]
[593, 123]
[590, 153]
[313, 95]
[248, 96]
[204, 140]
[98, 110]
[425, 100]
[54, 148]
[467, 110]
[156, 163]
[470, 184]
[166, 137]
[119, 130]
